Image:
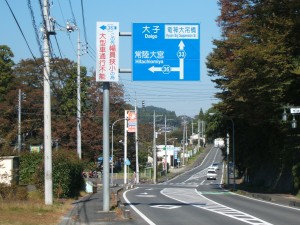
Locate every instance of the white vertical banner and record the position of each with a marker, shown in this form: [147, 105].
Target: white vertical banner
[107, 44]
[132, 121]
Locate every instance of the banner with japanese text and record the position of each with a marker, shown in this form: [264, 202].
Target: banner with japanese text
[107, 49]
[131, 115]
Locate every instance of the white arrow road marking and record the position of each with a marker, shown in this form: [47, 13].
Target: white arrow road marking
[166, 206]
[184, 195]
[150, 222]
[146, 196]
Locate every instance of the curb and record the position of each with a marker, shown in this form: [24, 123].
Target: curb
[270, 198]
[125, 211]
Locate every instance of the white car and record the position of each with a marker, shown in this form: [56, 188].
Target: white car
[211, 175]
[215, 166]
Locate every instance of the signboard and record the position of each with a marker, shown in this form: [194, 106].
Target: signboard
[166, 52]
[295, 110]
[131, 115]
[127, 162]
[107, 49]
[36, 148]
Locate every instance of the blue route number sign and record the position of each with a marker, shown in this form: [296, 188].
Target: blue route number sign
[166, 52]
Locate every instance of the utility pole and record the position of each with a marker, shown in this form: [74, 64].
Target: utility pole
[19, 122]
[198, 134]
[166, 163]
[72, 28]
[227, 155]
[203, 131]
[78, 98]
[183, 142]
[136, 148]
[154, 150]
[186, 137]
[48, 30]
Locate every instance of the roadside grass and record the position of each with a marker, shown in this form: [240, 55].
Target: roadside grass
[33, 211]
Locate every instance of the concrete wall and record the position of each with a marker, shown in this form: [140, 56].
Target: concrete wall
[9, 169]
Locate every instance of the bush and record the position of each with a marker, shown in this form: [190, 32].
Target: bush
[296, 176]
[29, 164]
[66, 172]
[12, 192]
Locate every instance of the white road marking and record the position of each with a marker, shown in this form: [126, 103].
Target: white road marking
[146, 196]
[184, 195]
[137, 211]
[166, 206]
[271, 203]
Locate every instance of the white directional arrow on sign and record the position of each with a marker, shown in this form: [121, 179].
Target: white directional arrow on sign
[166, 69]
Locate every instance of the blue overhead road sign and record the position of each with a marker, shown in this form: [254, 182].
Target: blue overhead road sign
[166, 52]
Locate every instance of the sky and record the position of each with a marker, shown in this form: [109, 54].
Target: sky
[183, 97]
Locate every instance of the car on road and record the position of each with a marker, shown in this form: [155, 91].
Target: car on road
[211, 174]
[215, 166]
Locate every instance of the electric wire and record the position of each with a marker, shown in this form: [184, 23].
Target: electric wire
[34, 26]
[73, 16]
[83, 22]
[92, 56]
[58, 47]
[61, 11]
[20, 29]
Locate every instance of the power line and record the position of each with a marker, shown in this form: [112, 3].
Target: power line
[20, 30]
[83, 21]
[74, 20]
[61, 11]
[58, 46]
[34, 27]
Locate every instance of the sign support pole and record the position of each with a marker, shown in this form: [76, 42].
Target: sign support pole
[106, 86]
[125, 147]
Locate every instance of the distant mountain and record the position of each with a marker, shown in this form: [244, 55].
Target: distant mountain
[145, 115]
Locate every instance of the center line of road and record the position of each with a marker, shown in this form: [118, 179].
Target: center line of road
[196, 199]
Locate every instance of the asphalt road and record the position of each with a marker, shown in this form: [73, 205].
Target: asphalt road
[192, 199]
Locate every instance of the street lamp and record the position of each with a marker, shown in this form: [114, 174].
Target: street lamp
[154, 147]
[112, 148]
[294, 111]
[72, 28]
[166, 156]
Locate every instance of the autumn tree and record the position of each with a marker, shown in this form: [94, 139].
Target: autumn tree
[8, 100]
[255, 65]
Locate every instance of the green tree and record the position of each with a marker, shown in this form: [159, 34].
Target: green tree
[255, 67]
[8, 101]
[6, 64]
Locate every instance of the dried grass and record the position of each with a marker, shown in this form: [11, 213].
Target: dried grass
[32, 212]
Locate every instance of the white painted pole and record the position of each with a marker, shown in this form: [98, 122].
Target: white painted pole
[136, 148]
[47, 111]
[19, 122]
[78, 98]
[125, 147]
[154, 150]
[106, 194]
